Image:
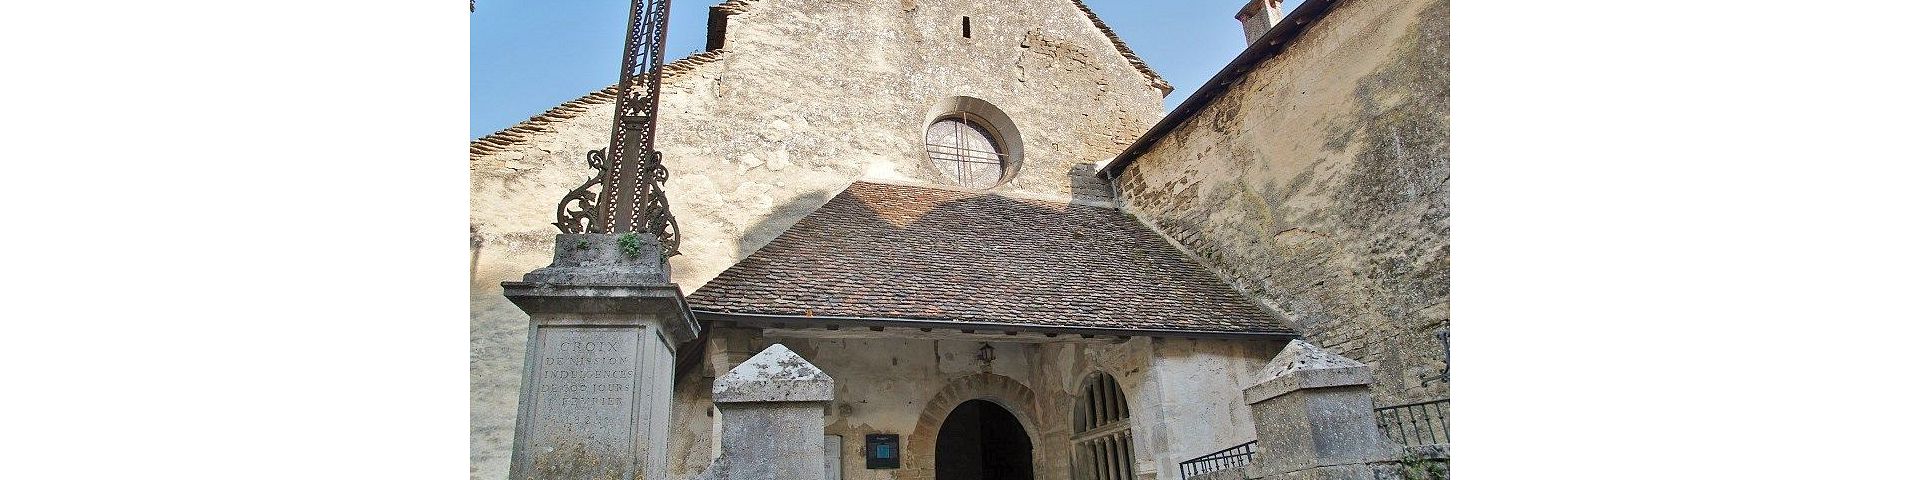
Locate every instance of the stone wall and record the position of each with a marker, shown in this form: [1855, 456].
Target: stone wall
[1197, 397]
[805, 97]
[1179, 391]
[1318, 185]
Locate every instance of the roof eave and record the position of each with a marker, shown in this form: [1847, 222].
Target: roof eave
[706, 317]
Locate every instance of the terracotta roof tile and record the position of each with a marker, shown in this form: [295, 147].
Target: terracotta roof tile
[891, 251]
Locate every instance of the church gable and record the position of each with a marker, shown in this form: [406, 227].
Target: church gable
[1153, 78]
[527, 131]
[719, 16]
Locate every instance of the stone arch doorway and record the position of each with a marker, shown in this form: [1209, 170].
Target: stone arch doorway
[980, 440]
[917, 449]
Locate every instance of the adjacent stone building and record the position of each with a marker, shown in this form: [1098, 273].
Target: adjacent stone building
[975, 217]
[1312, 175]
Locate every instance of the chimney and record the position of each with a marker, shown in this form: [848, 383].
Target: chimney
[1257, 17]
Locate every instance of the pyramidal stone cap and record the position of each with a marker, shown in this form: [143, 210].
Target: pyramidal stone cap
[1300, 355]
[1303, 365]
[774, 375]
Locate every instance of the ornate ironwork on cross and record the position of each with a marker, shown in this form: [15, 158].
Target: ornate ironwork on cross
[627, 192]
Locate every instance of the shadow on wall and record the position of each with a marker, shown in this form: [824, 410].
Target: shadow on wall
[778, 221]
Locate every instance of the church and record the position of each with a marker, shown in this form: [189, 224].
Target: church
[978, 218]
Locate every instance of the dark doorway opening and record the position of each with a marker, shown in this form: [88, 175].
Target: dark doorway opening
[981, 441]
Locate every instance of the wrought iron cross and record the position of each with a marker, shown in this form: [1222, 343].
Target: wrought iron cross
[626, 193]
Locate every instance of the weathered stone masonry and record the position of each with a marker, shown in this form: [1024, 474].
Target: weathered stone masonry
[1317, 184]
[805, 98]
[1185, 392]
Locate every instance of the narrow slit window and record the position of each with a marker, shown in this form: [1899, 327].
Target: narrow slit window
[966, 27]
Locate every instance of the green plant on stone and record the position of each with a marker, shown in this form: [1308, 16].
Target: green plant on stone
[630, 245]
[581, 246]
[1416, 467]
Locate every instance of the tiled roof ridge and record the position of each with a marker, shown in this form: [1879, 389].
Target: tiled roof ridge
[1153, 78]
[970, 192]
[519, 132]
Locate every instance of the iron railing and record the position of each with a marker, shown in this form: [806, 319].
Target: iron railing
[1414, 424]
[1234, 456]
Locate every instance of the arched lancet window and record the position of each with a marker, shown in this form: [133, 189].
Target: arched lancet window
[964, 151]
[1102, 435]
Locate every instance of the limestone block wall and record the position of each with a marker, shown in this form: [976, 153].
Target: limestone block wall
[1198, 405]
[1318, 185]
[804, 98]
[1184, 394]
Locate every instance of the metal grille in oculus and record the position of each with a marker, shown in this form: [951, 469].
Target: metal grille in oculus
[965, 153]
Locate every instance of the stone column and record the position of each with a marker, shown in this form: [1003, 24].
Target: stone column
[597, 388]
[772, 418]
[1314, 416]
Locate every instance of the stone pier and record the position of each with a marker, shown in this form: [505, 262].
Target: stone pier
[1314, 417]
[772, 421]
[596, 389]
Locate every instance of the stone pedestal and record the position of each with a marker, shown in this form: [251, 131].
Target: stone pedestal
[598, 383]
[771, 416]
[1314, 416]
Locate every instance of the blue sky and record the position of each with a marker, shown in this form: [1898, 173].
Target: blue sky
[529, 55]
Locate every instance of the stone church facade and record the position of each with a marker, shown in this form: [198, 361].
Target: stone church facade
[976, 217]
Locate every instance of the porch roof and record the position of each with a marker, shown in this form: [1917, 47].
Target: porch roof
[932, 255]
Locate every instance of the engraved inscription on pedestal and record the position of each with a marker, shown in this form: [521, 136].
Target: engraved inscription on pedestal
[583, 412]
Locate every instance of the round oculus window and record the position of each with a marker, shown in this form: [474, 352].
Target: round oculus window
[964, 153]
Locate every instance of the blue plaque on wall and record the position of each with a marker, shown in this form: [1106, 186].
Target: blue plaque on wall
[883, 450]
